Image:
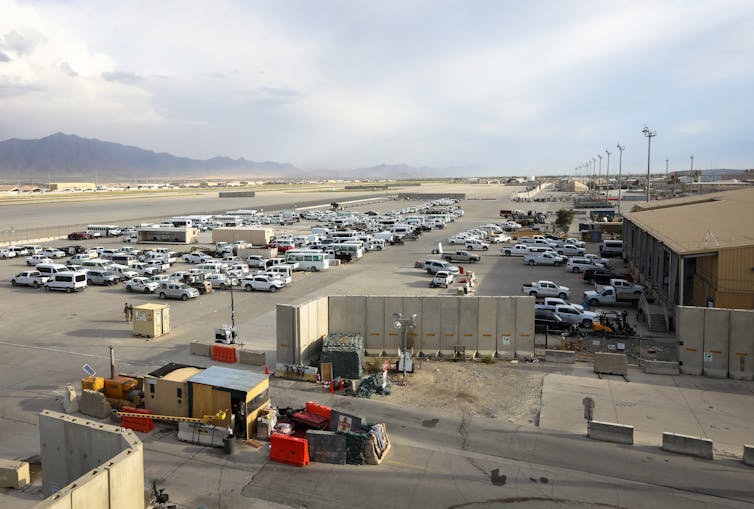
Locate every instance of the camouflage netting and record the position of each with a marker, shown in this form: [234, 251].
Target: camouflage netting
[371, 385]
[355, 443]
[346, 353]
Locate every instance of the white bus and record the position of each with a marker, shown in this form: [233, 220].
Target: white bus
[103, 230]
[308, 259]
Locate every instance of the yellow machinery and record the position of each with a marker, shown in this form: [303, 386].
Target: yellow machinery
[219, 416]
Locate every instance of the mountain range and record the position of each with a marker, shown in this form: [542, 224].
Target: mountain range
[61, 156]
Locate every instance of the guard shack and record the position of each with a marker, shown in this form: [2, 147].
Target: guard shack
[242, 392]
[188, 391]
[151, 320]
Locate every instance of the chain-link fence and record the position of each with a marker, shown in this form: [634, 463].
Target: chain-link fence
[12, 236]
[637, 349]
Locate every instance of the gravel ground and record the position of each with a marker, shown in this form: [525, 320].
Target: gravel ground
[500, 390]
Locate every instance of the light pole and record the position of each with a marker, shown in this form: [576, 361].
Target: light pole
[607, 176]
[599, 176]
[404, 324]
[649, 134]
[667, 168]
[621, 148]
[692, 169]
[594, 174]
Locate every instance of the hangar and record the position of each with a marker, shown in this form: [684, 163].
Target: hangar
[694, 251]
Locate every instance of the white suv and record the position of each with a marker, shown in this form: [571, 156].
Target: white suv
[432, 266]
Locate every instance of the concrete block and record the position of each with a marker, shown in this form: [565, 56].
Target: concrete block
[94, 404]
[326, 447]
[741, 351]
[253, 358]
[610, 432]
[561, 356]
[610, 363]
[14, 474]
[690, 446]
[524, 327]
[690, 331]
[58, 500]
[661, 368]
[126, 476]
[749, 455]
[716, 343]
[199, 348]
[70, 400]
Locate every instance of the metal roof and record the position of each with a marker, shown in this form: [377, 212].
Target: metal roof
[227, 378]
[700, 224]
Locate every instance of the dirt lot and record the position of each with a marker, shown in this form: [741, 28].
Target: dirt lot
[500, 390]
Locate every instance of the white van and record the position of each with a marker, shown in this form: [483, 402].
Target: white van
[123, 259]
[611, 248]
[48, 269]
[375, 245]
[67, 281]
[96, 264]
[212, 267]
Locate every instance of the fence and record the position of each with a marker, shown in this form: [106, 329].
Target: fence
[638, 350]
[13, 236]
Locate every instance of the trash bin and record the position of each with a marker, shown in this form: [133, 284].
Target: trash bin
[229, 444]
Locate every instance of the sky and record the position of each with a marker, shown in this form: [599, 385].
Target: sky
[504, 87]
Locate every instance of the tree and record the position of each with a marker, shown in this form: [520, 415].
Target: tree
[564, 219]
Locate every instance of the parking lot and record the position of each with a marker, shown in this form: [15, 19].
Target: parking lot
[49, 336]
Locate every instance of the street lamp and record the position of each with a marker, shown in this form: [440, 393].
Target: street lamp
[594, 173]
[599, 176]
[621, 148]
[403, 324]
[649, 134]
[607, 176]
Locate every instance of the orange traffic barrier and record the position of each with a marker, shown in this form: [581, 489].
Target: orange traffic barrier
[141, 424]
[316, 408]
[290, 450]
[224, 353]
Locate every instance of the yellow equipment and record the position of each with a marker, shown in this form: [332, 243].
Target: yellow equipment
[219, 416]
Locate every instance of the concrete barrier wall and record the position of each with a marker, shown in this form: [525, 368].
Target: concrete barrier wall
[483, 325]
[741, 350]
[611, 363]
[749, 455]
[718, 343]
[610, 432]
[690, 446]
[88, 464]
[690, 331]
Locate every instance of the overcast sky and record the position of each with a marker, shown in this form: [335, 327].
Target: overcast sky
[510, 87]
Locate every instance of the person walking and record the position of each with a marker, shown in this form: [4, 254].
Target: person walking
[127, 312]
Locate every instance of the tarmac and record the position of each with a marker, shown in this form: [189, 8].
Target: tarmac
[691, 405]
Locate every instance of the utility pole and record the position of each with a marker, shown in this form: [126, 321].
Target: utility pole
[621, 148]
[649, 134]
[607, 176]
[594, 174]
[692, 170]
[667, 168]
[599, 175]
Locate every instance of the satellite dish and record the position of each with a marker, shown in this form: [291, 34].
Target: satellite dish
[397, 325]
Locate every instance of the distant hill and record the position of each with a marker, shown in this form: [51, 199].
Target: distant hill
[65, 155]
[403, 171]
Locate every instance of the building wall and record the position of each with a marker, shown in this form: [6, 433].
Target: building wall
[207, 400]
[61, 186]
[257, 236]
[164, 399]
[736, 270]
[252, 413]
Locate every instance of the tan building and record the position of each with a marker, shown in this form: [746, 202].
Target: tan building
[256, 236]
[72, 186]
[188, 391]
[695, 251]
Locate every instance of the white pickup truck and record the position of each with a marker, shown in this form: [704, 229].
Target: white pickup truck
[517, 250]
[545, 289]
[546, 258]
[619, 290]
[32, 278]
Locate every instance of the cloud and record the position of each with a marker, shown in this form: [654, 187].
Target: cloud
[22, 43]
[4, 57]
[66, 68]
[129, 78]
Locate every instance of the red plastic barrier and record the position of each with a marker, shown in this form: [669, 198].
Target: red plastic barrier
[291, 450]
[311, 420]
[140, 424]
[224, 353]
[316, 408]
